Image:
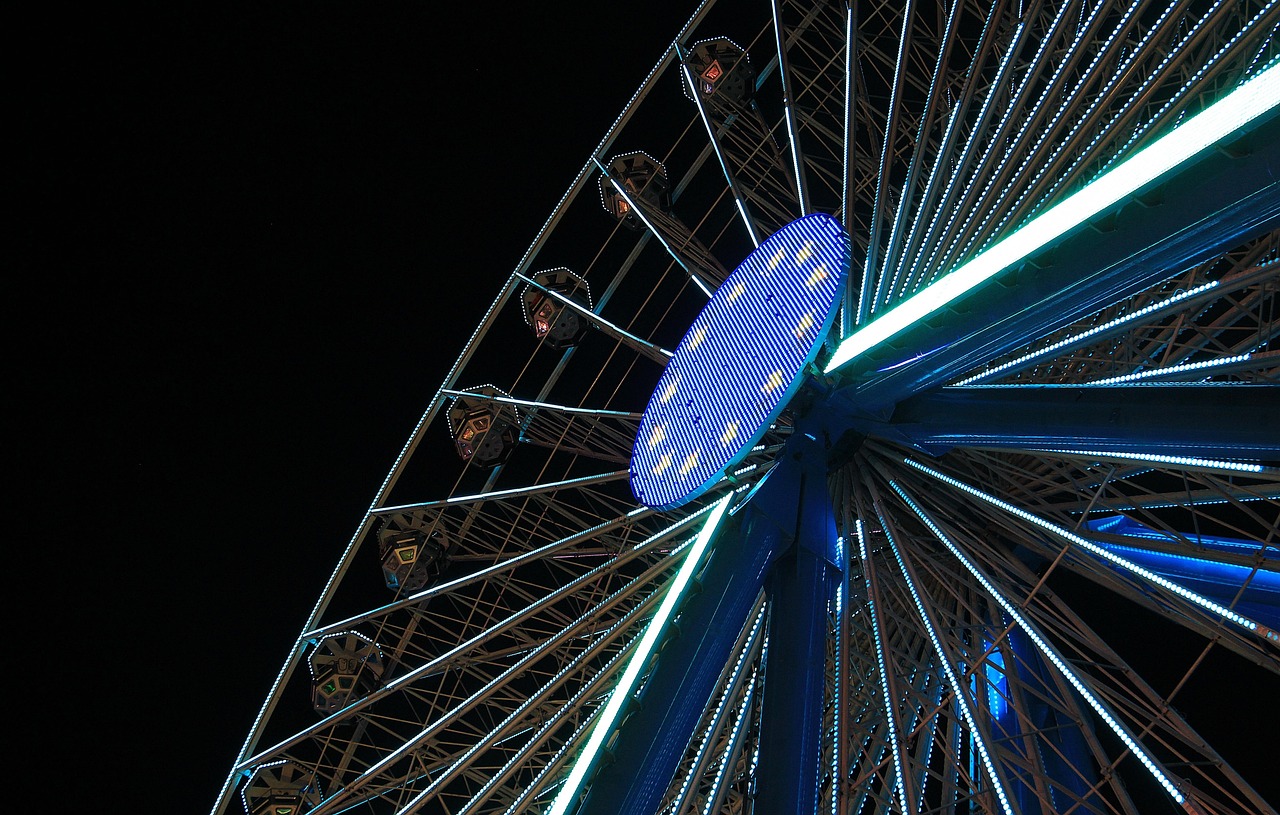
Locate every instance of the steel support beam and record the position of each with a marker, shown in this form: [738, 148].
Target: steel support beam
[639, 765]
[800, 586]
[1208, 421]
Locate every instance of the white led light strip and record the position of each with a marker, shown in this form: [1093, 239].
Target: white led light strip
[715, 144]
[1217, 122]
[1049, 651]
[1088, 545]
[653, 230]
[1172, 369]
[732, 683]
[957, 687]
[639, 659]
[1160, 458]
[1075, 338]
[891, 716]
[725, 763]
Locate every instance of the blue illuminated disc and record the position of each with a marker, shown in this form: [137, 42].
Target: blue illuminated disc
[740, 362]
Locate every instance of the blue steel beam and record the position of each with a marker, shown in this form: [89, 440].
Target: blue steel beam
[1219, 198]
[756, 548]
[801, 585]
[659, 725]
[1183, 420]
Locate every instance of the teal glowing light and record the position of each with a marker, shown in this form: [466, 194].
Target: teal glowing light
[1217, 122]
[740, 362]
[605, 722]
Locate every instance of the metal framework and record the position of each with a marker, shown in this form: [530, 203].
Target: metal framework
[917, 610]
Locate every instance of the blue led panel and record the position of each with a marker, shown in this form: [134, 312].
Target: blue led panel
[740, 362]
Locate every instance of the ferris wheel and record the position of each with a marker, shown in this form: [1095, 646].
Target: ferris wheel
[885, 420]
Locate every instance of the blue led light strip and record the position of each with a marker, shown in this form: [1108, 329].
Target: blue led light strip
[639, 660]
[957, 687]
[1090, 546]
[1048, 650]
[1219, 121]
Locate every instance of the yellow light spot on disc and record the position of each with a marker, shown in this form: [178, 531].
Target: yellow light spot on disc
[777, 257]
[698, 337]
[671, 390]
[730, 433]
[737, 291]
[663, 463]
[804, 252]
[773, 382]
[806, 322]
[659, 433]
[690, 462]
[819, 274]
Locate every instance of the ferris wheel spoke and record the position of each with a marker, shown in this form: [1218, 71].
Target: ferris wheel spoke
[964, 161]
[641, 346]
[918, 196]
[1168, 597]
[1211, 311]
[528, 714]
[1116, 57]
[683, 678]
[1113, 108]
[1047, 650]
[901, 788]
[948, 660]
[488, 645]
[1094, 672]
[713, 115]
[789, 115]
[504, 671]
[571, 549]
[1028, 278]
[724, 725]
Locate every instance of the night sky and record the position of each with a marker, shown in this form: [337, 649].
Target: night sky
[271, 231]
[258, 239]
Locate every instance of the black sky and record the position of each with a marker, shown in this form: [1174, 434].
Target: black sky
[271, 230]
